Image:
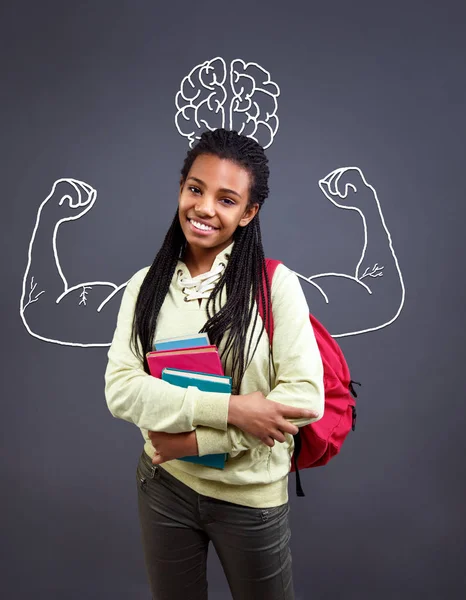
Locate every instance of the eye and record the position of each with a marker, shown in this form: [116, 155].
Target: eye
[194, 189]
[228, 201]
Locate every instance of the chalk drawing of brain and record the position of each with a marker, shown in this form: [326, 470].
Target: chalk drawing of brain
[241, 97]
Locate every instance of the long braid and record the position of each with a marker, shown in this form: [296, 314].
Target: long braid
[154, 288]
[245, 278]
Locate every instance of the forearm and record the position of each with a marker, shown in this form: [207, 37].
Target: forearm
[214, 441]
[149, 402]
[234, 439]
[156, 405]
[307, 394]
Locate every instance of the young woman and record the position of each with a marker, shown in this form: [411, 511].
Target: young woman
[208, 276]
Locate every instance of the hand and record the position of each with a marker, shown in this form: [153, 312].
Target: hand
[69, 199]
[347, 188]
[169, 446]
[265, 419]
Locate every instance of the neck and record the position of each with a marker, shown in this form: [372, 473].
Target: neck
[199, 260]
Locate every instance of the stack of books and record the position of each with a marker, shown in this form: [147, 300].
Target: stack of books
[191, 361]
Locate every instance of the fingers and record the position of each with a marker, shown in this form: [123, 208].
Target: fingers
[279, 436]
[157, 459]
[288, 427]
[268, 441]
[332, 180]
[294, 412]
[343, 184]
[284, 427]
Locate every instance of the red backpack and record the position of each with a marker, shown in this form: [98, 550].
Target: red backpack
[318, 442]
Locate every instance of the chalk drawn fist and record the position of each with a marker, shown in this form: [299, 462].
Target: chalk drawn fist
[347, 188]
[70, 198]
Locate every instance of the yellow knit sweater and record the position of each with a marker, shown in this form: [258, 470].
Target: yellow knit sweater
[255, 475]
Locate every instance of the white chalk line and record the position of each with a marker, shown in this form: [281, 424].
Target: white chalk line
[239, 96]
[334, 178]
[87, 205]
[185, 101]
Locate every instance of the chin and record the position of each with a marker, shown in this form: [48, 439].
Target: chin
[206, 244]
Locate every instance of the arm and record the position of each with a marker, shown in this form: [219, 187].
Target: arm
[375, 284]
[51, 309]
[146, 401]
[298, 365]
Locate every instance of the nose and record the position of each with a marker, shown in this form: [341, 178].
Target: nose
[205, 206]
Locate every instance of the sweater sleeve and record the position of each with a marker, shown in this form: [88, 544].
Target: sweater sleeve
[297, 362]
[146, 401]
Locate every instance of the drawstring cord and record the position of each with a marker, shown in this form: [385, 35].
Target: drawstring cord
[201, 286]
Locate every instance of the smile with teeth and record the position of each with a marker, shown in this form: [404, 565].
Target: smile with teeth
[201, 226]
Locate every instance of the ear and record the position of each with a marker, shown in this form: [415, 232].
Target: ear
[249, 214]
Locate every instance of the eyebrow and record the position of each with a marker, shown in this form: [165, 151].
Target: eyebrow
[224, 190]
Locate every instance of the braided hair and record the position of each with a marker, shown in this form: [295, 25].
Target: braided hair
[244, 278]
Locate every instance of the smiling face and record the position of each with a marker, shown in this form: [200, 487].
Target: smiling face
[213, 202]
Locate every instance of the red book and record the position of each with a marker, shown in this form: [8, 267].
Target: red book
[204, 359]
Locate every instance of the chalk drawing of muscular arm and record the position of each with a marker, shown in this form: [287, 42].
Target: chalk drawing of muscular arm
[376, 282]
[52, 310]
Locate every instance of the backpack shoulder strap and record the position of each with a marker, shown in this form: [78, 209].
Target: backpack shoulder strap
[271, 266]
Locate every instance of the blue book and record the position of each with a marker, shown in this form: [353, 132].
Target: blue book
[206, 383]
[195, 340]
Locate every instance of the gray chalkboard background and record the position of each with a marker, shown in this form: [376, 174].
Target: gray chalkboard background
[88, 93]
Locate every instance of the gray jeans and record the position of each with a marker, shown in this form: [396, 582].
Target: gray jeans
[177, 525]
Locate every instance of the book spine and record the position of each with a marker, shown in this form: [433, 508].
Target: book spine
[216, 461]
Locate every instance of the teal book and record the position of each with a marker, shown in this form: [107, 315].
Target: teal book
[185, 341]
[206, 383]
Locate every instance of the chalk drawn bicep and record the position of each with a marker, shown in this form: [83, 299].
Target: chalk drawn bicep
[85, 315]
